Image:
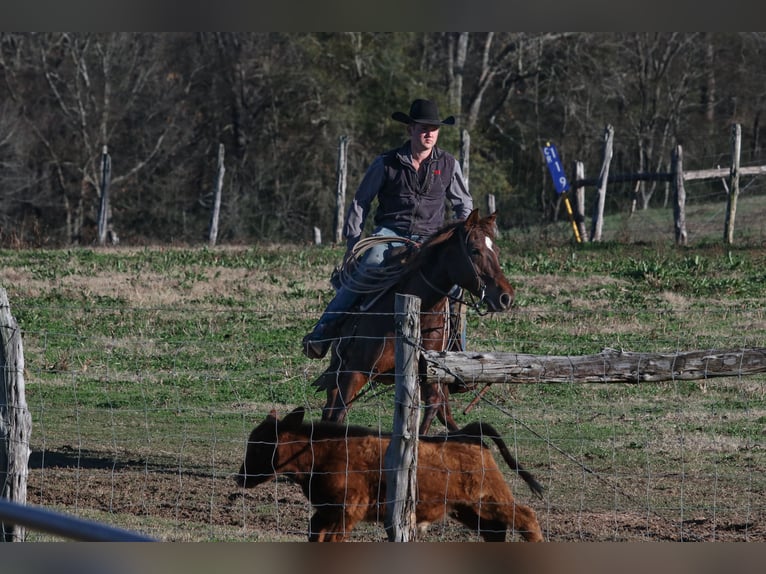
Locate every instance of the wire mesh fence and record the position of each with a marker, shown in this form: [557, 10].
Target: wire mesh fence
[147, 433]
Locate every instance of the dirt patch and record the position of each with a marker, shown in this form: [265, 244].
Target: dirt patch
[185, 505]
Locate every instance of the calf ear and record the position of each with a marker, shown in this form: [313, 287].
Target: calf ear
[294, 419]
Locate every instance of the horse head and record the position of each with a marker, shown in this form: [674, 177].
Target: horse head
[478, 270]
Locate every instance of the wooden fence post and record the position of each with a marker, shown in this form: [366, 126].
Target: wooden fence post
[679, 196]
[579, 203]
[15, 419]
[731, 205]
[213, 236]
[103, 210]
[401, 458]
[598, 212]
[340, 193]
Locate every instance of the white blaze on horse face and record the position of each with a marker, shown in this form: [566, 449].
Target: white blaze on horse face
[488, 242]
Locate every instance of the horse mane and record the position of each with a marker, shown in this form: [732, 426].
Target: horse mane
[425, 250]
[397, 264]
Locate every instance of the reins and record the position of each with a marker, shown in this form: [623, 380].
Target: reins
[476, 306]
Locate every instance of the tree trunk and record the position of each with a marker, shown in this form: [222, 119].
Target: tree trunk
[340, 193]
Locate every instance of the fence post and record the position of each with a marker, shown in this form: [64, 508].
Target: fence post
[213, 234]
[679, 196]
[731, 205]
[103, 209]
[598, 212]
[15, 419]
[401, 456]
[579, 193]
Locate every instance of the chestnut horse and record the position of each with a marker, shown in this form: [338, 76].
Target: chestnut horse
[461, 253]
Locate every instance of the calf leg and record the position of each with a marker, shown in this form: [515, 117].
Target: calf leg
[490, 530]
[524, 520]
[492, 519]
[329, 525]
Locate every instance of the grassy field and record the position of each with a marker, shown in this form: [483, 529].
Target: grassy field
[147, 367]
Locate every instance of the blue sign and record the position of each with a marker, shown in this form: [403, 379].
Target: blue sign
[554, 166]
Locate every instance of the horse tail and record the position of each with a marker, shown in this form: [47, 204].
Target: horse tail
[475, 431]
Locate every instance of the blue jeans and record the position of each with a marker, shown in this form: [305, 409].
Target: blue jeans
[345, 298]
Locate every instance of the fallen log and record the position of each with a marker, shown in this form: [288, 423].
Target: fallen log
[608, 366]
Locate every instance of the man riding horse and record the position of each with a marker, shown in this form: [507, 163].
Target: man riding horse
[412, 184]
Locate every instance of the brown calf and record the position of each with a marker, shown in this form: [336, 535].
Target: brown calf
[340, 470]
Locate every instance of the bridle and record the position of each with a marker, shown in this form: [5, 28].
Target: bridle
[481, 286]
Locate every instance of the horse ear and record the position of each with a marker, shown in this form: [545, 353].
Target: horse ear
[473, 218]
[295, 418]
[491, 218]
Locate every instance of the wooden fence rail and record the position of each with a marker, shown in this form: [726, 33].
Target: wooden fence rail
[608, 366]
[676, 177]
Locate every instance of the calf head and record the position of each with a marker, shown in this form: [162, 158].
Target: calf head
[263, 454]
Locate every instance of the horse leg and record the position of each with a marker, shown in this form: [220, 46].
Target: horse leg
[436, 399]
[445, 410]
[339, 396]
[428, 418]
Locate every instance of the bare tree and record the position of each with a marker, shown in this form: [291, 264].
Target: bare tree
[662, 70]
[94, 83]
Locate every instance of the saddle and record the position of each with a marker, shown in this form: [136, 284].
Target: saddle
[394, 260]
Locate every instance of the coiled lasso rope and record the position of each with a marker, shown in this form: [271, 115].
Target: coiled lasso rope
[374, 279]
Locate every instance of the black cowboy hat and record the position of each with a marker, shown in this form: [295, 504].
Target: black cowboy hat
[423, 112]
